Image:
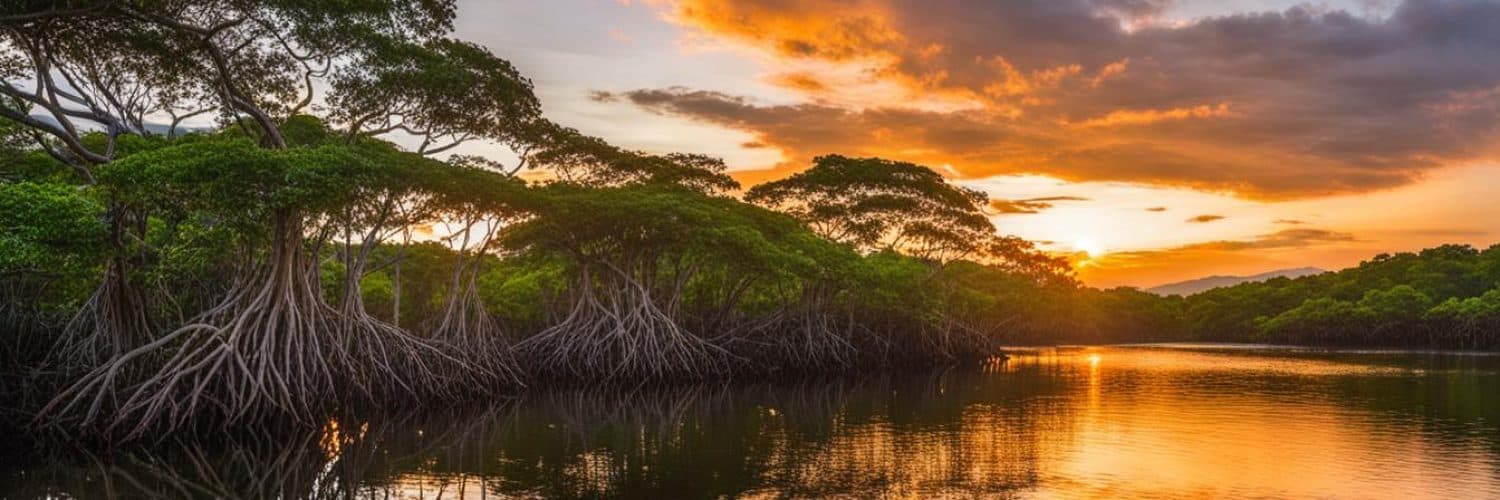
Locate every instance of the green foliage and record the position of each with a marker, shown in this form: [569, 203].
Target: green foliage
[656, 220]
[16, 156]
[877, 204]
[1484, 309]
[1324, 319]
[461, 189]
[585, 160]
[520, 290]
[440, 88]
[887, 281]
[1398, 303]
[51, 244]
[190, 248]
[378, 291]
[34, 166]
[49, 228]
[308, 130]
[425, 269]
[235, 180]
[1406, 299]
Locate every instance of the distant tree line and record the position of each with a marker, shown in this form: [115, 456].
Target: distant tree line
[1446, 297]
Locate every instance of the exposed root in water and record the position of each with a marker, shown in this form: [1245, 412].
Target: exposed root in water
[616, 331]
[116, 317]
[448, 368]
[270, 351]
[794, 338]
[467, 326]
[397, 367]
[955, 340]
[112, 321]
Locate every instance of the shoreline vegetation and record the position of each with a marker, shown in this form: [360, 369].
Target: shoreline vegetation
[321, 248]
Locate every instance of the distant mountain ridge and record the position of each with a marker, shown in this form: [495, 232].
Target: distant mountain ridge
[1200, 285]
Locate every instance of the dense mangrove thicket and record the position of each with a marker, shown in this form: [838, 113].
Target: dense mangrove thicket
[279, 280]
[223, 213]
[196, 233]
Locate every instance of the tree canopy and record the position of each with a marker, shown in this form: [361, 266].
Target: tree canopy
[876, 204]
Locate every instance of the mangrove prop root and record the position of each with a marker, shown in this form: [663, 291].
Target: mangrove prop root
[111, 322]
[271, 350]
[617, 332]
[466, 326]
[794, 338]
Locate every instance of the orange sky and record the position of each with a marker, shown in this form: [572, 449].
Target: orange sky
[1171, 139]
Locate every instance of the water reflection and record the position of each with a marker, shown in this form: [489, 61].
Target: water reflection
[1092, 423]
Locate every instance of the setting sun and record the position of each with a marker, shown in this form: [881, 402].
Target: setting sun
[1090, 246]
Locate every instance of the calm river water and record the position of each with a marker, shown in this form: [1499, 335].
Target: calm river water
[1119, 422]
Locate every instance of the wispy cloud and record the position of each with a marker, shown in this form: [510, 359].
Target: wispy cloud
[1287, 238]
[1029, 205]
[1280, 249]
[1125, 117]
[1205, 218]
[1150, 265]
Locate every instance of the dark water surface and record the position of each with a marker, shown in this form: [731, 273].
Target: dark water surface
[1122, 422]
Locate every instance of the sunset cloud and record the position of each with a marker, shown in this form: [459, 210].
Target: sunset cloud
[1143, 117]
[1225, 256]
[1205, 218]
[1030, 205]
[1301, 103]
[978, 144]
[1288, 238]
[802, 81]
